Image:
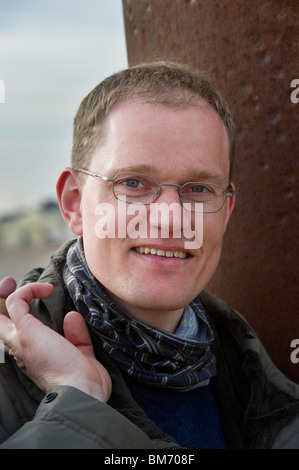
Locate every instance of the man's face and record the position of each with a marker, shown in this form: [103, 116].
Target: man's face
[174, 146]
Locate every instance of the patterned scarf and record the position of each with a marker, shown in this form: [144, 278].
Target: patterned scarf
[150, 355]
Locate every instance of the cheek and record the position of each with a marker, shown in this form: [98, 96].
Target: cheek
[101, 256]
[210, 251]
[213, 230]
[99, 210]
[104, 234]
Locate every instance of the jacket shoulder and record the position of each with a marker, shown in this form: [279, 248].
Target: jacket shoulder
[234, 325]
[270, 401]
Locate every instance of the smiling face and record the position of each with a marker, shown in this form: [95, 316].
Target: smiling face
[154, 279]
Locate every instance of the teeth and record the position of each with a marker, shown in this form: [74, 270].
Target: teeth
[160, 253]
[145, 250]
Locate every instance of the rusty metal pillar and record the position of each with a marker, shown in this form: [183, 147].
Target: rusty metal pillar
[251, 50]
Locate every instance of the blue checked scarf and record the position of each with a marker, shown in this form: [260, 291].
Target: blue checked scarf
[181, 361]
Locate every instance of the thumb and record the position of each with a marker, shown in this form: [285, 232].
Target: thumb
[75, 331]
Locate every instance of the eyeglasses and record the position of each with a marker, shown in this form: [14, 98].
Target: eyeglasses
[135, 188]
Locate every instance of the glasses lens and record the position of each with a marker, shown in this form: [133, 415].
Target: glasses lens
[202, 197]
[135, 188]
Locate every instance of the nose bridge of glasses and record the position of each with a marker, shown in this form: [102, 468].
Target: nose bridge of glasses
[177, 186]
[171, 184]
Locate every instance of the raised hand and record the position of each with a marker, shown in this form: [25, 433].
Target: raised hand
[46, 357]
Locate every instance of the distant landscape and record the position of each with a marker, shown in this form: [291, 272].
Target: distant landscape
[17, 261]
[28, 238]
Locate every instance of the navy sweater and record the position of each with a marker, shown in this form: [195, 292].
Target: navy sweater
[191, 418]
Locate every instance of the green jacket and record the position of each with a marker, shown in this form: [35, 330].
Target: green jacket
[258, 405]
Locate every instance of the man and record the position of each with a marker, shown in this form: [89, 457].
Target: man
[148, 358]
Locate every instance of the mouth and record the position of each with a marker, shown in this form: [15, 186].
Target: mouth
[145, 250]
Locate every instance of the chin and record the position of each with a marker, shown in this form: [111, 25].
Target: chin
[165, 299]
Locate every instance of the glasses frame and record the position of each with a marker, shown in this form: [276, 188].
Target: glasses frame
[227, 192]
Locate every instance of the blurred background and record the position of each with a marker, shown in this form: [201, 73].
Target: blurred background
[52, 53]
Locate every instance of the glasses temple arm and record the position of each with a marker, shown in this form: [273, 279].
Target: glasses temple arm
[95, 175]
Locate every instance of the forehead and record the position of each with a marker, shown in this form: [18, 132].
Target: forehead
[168, 140]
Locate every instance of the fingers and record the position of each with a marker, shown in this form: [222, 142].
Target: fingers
[17, 303]
[7, 286]
[7, 330]
[3, 309]
[76, 331]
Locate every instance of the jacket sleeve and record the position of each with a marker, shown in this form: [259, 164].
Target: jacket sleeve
[70, 419]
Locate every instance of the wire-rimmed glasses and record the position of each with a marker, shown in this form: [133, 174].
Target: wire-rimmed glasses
[136, 188]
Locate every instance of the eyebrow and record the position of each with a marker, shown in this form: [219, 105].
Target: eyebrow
[191, 174]
[141, 168]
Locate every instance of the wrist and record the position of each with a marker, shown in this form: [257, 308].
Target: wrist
[91, 387]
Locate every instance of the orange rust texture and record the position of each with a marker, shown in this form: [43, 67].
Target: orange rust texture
[251, 50]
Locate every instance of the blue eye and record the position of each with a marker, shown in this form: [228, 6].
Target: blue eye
[199, 192]
[198, 189]
[132, 183]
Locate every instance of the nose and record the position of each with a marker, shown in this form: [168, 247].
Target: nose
[171, 196]
[166, 212]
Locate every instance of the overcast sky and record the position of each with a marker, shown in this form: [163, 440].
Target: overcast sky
[52, 53]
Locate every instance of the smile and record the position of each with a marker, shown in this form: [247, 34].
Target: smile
[144, 250]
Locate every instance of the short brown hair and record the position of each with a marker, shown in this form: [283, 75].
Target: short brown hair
[161, 82]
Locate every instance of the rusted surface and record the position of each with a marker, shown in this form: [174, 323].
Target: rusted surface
[251, 49]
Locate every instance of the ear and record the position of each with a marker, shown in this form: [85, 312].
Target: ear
[230, 204]
[69, 198]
